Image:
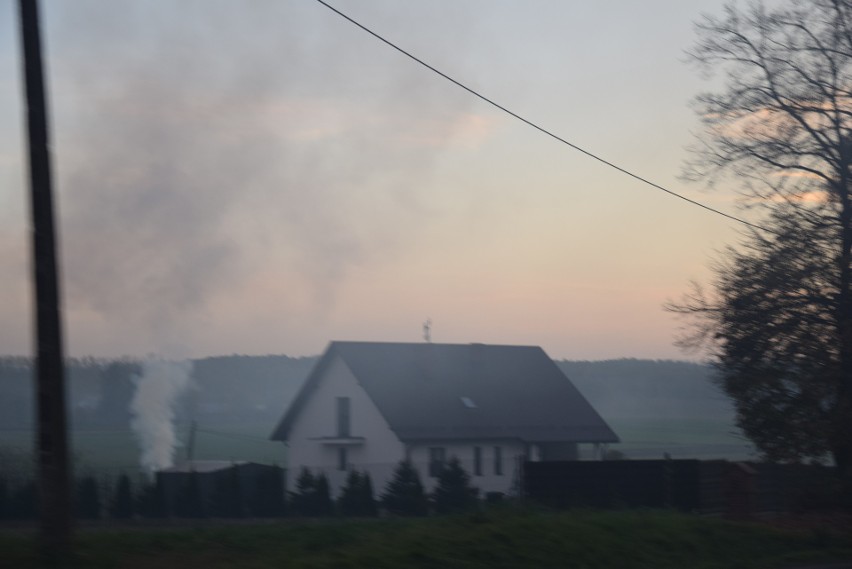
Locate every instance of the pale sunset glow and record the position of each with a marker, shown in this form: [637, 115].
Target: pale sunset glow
[264, 178]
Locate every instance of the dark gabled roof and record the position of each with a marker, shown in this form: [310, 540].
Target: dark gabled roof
[463, 391]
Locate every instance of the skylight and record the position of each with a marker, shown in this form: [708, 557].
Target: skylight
[468, 402]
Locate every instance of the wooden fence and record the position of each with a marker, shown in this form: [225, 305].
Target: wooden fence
[718, 487]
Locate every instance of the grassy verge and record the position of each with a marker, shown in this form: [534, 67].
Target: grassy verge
[496, 539]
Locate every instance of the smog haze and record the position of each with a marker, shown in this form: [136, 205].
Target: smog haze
[265, 177]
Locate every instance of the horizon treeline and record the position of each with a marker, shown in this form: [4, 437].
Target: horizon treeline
[236, 389]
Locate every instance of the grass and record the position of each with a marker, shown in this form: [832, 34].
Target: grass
[647, 437]
[115, 451]
[496, 539]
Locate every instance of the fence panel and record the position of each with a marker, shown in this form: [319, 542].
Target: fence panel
[717, 487]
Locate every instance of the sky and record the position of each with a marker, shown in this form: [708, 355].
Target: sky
[264, 177]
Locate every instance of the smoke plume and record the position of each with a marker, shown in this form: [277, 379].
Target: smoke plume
[153, 410]
[217, 142]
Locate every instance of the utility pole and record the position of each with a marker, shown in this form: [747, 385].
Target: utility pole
[54, 471]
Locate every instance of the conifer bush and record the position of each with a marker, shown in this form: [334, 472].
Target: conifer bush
[312, 496]
[301, 498]
[87, 501]
[454, 492]
[356, 498]
[4, 499]
[323, 504]
[404, 494]
[23, 501]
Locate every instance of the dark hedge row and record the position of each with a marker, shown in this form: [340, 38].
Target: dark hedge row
[121, 498]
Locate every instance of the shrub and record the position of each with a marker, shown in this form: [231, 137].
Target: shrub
[357, 498]
[300, 500]
[4, 499]
[87, 501]
[454, 492]
[312, 496]
[324, 505]
[23, 502]
[404, 494]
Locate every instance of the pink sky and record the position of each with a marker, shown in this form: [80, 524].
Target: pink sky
[267, 179]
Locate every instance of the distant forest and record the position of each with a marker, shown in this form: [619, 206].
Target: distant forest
[225, 390]
[664, 389]
[230, 390]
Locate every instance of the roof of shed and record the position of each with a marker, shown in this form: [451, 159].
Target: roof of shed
[203, 466]
[431, 391]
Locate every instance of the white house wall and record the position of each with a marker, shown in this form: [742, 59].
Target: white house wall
[380, 451]
[512, 452]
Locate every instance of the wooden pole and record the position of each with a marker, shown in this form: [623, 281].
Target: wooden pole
[54, 469]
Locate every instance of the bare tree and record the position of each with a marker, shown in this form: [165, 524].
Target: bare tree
[778, 318]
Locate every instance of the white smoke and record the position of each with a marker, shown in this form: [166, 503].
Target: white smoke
[153, 410]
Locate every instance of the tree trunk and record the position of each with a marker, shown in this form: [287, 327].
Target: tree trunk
[842, 444]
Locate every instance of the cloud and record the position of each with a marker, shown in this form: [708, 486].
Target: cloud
[211, 150]
[317, 120]
[468, 130]
[768, 122]
[802, 196]
[797, 174]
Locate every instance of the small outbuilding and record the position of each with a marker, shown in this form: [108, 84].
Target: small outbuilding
[199, 488]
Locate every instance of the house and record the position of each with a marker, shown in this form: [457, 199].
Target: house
[367, 405]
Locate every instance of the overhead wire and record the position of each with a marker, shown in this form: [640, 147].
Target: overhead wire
[540, 128]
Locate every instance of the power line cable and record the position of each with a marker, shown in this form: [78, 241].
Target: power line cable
[540, 128]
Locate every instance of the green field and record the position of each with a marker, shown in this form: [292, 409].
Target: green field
[503, 538]
[681, 438]
[115, 451]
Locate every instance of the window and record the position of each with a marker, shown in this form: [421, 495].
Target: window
[343, 417]
[437, 458]
[342, 458]
[477, 461]
[498, 461]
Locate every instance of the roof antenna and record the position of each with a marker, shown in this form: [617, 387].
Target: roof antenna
[427, 330]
